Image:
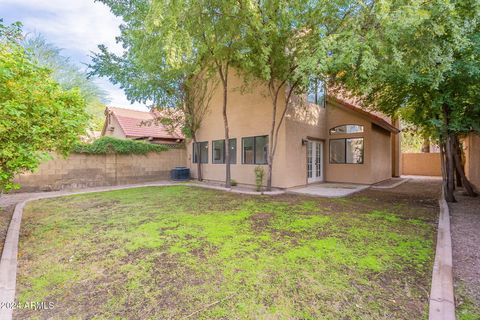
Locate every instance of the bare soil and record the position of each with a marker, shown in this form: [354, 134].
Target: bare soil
[465, 224]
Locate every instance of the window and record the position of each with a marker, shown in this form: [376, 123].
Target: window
[255, 150]
[233, 150]
[346, 150]
[203, 152]
[218, 151]
[347, 128]
[317, 92]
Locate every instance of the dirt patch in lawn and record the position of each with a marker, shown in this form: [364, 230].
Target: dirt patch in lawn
[171, 252]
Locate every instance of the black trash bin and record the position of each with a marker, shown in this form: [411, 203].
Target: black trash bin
[180, 174]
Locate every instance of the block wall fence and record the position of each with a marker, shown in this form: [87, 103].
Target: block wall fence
[86, 170]
[421, 164]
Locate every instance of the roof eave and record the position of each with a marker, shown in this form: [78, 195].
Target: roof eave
[372, 118]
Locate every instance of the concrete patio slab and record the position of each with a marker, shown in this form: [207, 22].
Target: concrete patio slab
[329, 190]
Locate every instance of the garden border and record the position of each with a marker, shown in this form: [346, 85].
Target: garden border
[442, 300]
[8, 261]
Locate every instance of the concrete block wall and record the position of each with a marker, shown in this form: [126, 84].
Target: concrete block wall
[86, 170]
[421, 164]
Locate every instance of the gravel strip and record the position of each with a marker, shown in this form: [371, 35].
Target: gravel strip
[465, 220]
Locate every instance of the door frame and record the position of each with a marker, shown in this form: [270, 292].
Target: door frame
[321, 142]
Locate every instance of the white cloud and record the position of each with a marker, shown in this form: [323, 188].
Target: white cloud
[117, 96]
[77, 26]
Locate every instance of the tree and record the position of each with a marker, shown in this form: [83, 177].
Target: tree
[216, 29]
[420, 60]
[169, 42]
[69, 76]
[36, 115]
[188, 115]
[289, 44]
[159, 67]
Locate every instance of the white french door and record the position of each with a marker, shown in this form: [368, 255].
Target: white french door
[314, 161]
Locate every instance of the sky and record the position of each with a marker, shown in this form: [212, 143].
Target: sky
[76, 26]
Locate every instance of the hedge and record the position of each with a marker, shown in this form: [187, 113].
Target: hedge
[106, 145]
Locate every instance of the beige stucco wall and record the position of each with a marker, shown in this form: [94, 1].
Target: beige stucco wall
[302, 121]
[472, 157]
[421, 164]
[86, 170]
[250, 113]
[380, 155]
[377, 150]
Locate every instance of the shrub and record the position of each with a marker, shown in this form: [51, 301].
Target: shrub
[106, 145]
[259, 174]
[233, 182]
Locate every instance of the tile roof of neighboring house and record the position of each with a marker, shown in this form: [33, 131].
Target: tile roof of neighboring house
[377, 119]
[131, 123]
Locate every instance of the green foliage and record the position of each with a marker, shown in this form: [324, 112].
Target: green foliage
[411, 142]
[419, 60]
[69, 76]
[37, 116]
[259, 174]
[106, 145]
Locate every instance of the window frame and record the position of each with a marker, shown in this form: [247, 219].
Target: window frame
[229, 144]
[254, 150]
[316, 95]
[345, 151]
[223, 151]
[349, 124]
[194, 160]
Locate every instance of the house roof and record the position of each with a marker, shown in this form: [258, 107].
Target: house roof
[131, 123]
[377, 119]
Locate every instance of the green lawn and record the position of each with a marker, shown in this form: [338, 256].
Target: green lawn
[175, 252]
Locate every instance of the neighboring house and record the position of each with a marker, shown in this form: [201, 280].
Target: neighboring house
[334, 141]
[137, 125]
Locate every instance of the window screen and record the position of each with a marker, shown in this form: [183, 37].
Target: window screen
[346, 150]
[218, 151]
[255, 150]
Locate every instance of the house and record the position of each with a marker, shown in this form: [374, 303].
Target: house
[137, 125]
[320, 140]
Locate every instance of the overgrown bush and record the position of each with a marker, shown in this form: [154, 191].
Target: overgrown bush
[106, 145]
[259, 174]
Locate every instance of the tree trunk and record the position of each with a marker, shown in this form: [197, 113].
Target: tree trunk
[224, 76]
[450, 170]
[458, 178]
[443, 166]
[460, 169]
[272, 133]
[426, 145]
